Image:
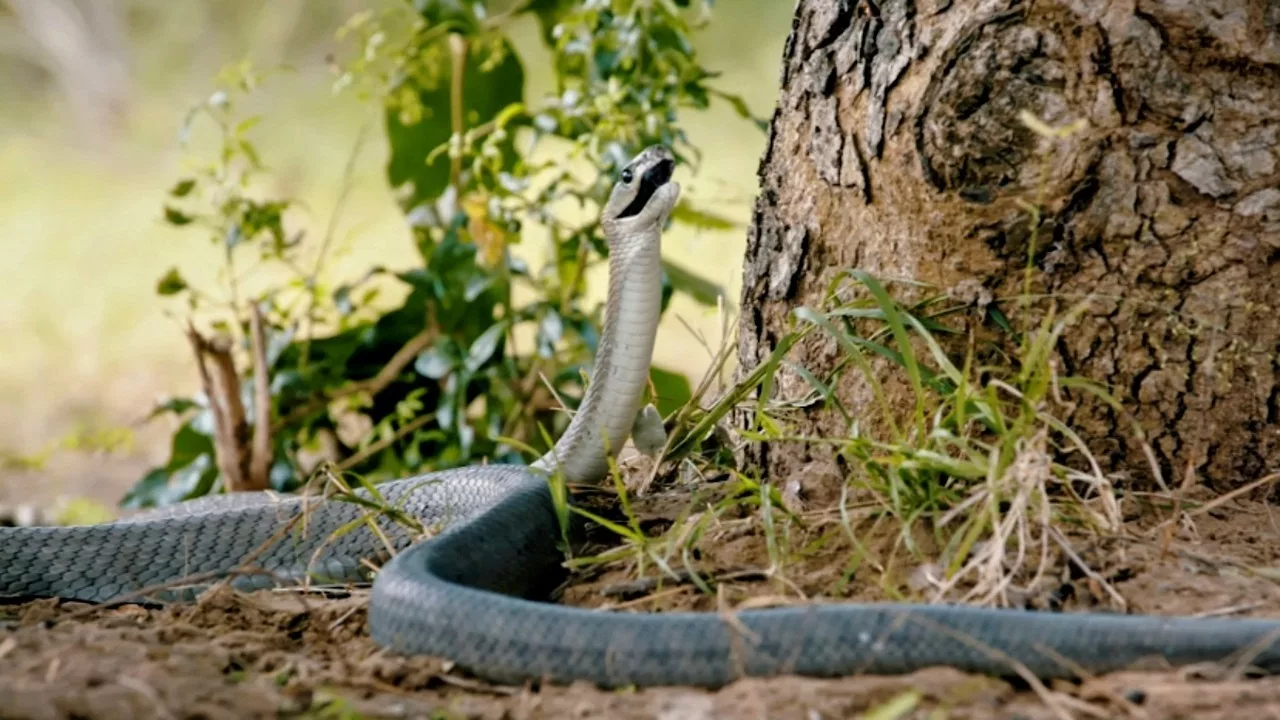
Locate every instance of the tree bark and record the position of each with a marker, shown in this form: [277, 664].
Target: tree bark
[896, 147]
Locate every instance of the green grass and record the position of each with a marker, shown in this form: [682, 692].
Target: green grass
[971, 469]
[974, 472]
[977, 460]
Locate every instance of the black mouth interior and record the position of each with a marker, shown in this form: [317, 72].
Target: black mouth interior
[653, 178]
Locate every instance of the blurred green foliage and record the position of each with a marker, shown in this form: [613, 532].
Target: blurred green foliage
[438, 379]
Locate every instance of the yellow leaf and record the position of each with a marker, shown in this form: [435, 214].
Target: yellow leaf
[490, 239]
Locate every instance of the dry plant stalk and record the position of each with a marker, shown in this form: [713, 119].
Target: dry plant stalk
[1027, 524]
[260, 451]
[244, 461]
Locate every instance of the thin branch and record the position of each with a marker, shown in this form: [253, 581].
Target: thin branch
[344, 192]
[222, 387]
[458, 53]
[501, 18]
[260, 453]
[348, 183]
[1244, 490]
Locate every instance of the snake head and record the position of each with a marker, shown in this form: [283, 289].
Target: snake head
[644, 194]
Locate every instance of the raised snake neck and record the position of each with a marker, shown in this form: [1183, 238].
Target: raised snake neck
[469, 594]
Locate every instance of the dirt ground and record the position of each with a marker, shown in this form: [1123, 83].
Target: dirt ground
[285, 654]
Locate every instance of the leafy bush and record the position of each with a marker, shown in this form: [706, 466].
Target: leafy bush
[438, 380]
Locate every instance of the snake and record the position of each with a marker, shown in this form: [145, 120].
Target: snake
[480, 590]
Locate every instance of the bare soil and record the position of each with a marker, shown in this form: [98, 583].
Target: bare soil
[288, 654]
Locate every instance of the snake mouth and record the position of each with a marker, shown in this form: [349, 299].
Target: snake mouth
[661, 173]
[653, 178]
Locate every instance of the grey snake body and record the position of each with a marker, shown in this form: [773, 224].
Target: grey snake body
[471, 594]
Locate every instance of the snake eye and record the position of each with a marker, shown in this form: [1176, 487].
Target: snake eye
[627, 176]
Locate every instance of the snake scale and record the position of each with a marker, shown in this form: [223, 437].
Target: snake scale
[475, 593]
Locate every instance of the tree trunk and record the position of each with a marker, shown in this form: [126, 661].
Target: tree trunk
[897, 148]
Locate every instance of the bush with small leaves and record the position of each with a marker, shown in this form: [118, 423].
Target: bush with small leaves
[303, 376]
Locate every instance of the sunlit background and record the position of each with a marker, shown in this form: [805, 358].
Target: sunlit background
[93, 94]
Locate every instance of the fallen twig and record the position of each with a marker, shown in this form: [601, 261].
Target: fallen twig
[649, 584]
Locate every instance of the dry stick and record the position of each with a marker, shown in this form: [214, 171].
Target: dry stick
[1080, 706]
[1188, 479]
[260, 452]
[677, 590]
[741, 633]
[1090, 572]
[348, 174]
[331, 228]
[1021, 670]
[1247, 655]
[458, 53]
[222, 387]
[1229, 610]
[1132, 709]
[1222, 499]
[650, 584]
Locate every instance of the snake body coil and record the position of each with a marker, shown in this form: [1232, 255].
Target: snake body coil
[470, 594]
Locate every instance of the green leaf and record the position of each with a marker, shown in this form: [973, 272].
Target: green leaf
[477, 285]
[550, 330]
[176, 217]
[190, 472]
[250, 153]
[485, 94]
[701, 290]
[193, 481]
[435, 362]
[673, 389]
[247, 124]
[282, 475]
[619, 530]
[148, 490]
[1002, 321]
[182, 188]
[176, 405]
[483, 347]
[187, 445]
[264, 217]
[171, 283]
[899, 328]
